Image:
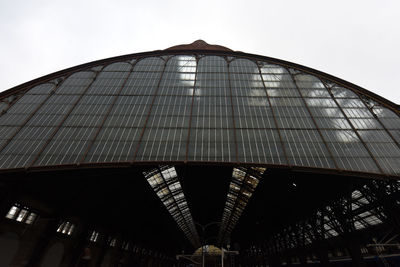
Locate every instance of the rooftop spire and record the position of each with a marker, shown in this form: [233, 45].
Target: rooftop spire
[199, 45]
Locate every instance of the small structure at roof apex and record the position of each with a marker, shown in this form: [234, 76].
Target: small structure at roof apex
[199, 45]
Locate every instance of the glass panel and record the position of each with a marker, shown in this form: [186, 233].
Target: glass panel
[385, 151]
[6, 133]
[108, 82]
[166, 132]
[306, 148]
[291, 113]
[211, 137]
[372, 220]
[66, 146]
[117, 140]
[42, 89]
[388, 118]
[118, 66]
[71, 229]
[31, 218]
[13, 212]
[94, 236]
[23, 148]
[382, 148]
[396, 135]
[88, 113]
[14, 118]
[3, 107]
[311, 86]
[257, 142]
[278, 81]
[340, 92]
[260, 146]
[22, 215]
[30, 139]
[349, 152]
[76, 83]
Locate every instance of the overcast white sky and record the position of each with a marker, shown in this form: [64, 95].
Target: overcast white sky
[358, 41]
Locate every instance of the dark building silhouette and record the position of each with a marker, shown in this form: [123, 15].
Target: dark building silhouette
[280, 162]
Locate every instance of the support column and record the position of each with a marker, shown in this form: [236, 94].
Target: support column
[118, 252]
[42, 243]
[303, 259]
[323, 258]
[274, 261]
[391, 209]
[355, 252]
[289, 260]
[5, 205]
[79, 247]
[7, 199]
[342, 213]
[322, 254]
[51, 229]
[302, 255]
[103, 250]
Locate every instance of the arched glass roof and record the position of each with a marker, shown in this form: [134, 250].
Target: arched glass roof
[204, 106]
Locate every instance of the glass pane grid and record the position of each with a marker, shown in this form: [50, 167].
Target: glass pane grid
[199, 92]
[244, 182]
[165, 183]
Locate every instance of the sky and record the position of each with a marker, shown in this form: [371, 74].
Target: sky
[358, 41]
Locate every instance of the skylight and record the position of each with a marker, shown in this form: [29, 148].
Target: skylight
[94, 236]
[364, 215]
[244, 182]
[66, 228]
[112, 242]
[164, 181]
[21, 214]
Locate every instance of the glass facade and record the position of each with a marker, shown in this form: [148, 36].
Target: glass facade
[203, 108]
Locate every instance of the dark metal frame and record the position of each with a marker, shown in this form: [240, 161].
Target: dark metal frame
[233, 110]
[342, 217]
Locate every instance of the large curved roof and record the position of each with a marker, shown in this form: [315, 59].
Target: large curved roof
[198, 104]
